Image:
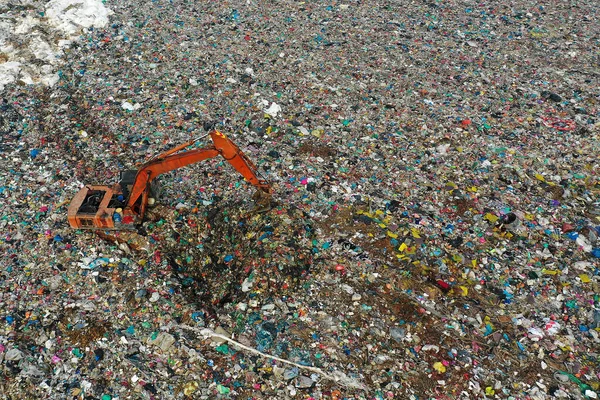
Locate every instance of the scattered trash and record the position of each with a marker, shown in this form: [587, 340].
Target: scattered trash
[436, 217]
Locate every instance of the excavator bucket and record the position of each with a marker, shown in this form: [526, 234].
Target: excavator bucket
[263, 201]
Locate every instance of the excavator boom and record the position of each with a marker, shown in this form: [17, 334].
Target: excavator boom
[124, 204]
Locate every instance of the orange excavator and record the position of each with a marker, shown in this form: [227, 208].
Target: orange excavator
[123, 205]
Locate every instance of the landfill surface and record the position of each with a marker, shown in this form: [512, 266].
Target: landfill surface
[436, 218]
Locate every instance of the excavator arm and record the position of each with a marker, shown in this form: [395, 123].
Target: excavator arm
[177, 158]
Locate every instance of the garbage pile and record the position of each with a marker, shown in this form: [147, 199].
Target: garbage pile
[437, 218]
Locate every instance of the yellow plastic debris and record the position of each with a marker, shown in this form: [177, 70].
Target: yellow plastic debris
[491, 217]
[584, 278]
[465, 290]
[549, 271]
[439, 367]
[190, 388]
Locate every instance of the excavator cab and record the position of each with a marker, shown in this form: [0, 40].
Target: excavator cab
[126, 181]
[123, 205]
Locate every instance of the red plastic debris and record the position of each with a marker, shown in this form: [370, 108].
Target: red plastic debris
[445, 286]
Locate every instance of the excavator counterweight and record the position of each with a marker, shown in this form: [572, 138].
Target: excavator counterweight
[122, 206]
